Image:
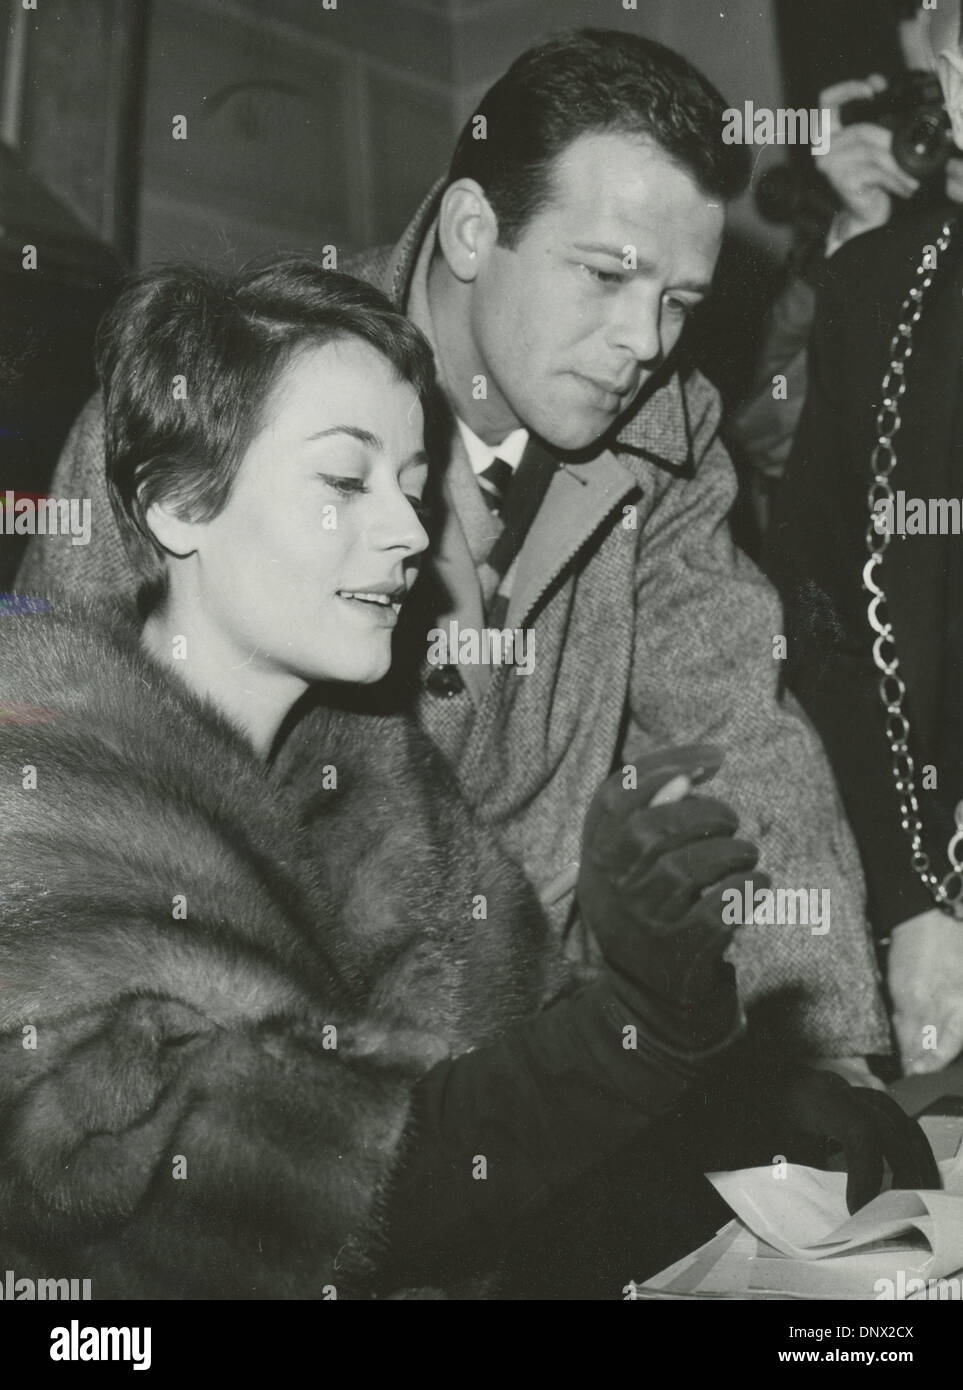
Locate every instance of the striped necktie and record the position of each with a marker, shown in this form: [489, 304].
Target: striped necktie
[494, 482]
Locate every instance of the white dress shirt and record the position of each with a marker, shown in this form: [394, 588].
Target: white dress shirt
[481, 455]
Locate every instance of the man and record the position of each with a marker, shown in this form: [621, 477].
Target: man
[553, 271]
[893, 295]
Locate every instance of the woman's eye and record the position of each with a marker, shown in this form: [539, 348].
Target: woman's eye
[347, 487]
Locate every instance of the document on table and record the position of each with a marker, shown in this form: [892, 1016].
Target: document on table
[793, 1237]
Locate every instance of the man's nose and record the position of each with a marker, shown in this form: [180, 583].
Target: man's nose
[636, 328]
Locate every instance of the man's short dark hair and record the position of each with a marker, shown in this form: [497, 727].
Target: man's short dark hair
[590, 80]
[229, 337]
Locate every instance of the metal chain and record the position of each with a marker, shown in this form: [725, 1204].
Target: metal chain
[948, 891]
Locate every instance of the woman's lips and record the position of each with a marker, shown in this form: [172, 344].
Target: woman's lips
[382, 608]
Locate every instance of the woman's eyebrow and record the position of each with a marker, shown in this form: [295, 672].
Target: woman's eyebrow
[363, 436]
[419, 459]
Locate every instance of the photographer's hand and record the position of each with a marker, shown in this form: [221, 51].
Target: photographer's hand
[860, 166]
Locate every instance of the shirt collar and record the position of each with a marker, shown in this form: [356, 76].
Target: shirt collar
[481, 455]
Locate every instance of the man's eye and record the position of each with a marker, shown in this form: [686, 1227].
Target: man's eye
[347, 487]
[680, 307]
[604, 277]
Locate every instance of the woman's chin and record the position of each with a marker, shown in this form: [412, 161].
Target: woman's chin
[358, 669]
[333, 655]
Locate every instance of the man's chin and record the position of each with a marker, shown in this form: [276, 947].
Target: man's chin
[583, 434]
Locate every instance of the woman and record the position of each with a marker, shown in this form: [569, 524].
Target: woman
[269, 1004]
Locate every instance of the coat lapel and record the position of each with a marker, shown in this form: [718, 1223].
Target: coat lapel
[457, 552]
[404, 258]
[468, 527]
[578, 500]
[582, 495]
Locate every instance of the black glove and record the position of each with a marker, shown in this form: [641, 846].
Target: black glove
[820, 1113]
[650, 888]
[561, 1090]
[541, 1105]
[763, 1104]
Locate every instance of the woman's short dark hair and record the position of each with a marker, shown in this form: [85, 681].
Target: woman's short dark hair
[590, 80]
[187, 358]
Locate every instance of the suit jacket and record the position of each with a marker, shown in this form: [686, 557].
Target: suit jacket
[650, 628]
[817, 547]
[219, 982]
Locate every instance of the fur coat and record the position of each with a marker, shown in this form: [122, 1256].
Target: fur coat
[220, 979]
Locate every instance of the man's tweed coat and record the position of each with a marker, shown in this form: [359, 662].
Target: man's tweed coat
[180, 929]
[650, 628]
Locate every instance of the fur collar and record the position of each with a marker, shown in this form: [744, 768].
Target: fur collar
[179, 923]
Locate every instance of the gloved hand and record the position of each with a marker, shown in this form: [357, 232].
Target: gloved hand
[764, 1104]
[818, 1112]
[650, 888]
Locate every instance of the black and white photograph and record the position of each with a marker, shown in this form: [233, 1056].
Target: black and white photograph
[481, 665]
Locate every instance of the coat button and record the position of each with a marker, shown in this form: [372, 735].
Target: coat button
[443, 682]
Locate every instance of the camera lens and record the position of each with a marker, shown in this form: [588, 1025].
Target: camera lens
[922, 146]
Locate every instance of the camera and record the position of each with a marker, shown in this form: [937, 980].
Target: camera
[912, 108]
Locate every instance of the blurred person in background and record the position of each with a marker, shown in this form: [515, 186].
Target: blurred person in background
[874, 602]
[858, 186]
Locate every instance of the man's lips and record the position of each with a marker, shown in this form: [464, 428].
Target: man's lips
[616, 388]
[616, 392]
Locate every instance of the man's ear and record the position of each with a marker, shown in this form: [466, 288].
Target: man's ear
[177, 536]
[951, 80]
[467, 228]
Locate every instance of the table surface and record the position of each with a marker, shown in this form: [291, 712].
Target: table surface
[915, 1093]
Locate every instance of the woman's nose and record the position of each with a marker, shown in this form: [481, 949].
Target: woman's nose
[400, 527]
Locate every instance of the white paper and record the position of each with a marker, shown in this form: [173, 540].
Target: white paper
[794, 1237]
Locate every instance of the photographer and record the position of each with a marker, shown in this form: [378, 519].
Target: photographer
[866, 183]
[874, 619]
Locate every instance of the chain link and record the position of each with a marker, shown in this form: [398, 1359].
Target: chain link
[947, 891]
